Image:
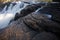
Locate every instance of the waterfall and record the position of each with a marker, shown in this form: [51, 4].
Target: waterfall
[4, 9]
[38, 11]
[9, 14]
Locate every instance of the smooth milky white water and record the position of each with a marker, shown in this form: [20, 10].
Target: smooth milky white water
[9, 14]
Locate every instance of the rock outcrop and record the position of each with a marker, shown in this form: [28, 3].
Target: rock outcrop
[34, 26]
[27, 27]
[28, 9]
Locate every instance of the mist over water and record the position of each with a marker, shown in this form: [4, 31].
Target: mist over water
[8, 14]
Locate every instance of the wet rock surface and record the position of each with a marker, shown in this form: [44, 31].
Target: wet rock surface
[28, 9]
[54, 10]
[34, 26]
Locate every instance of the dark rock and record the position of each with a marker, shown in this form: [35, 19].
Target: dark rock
[21, 30]
[28, 9]
[54, 10]
[45, 36]
[17, 15]
[32, 26]
[56, 0]
[40, 19]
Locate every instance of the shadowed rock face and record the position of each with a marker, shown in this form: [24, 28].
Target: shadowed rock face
[29, 9]
[54, 10]
[26, 28]
[34, 26]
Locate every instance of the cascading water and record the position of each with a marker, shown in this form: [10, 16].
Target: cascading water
[44, 14]
[4, 9]
[8, 14]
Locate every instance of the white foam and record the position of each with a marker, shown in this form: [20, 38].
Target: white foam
[9, 14]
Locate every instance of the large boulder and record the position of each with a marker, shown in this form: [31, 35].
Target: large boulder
[28, 9]
[54, 10]
[34, 26]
